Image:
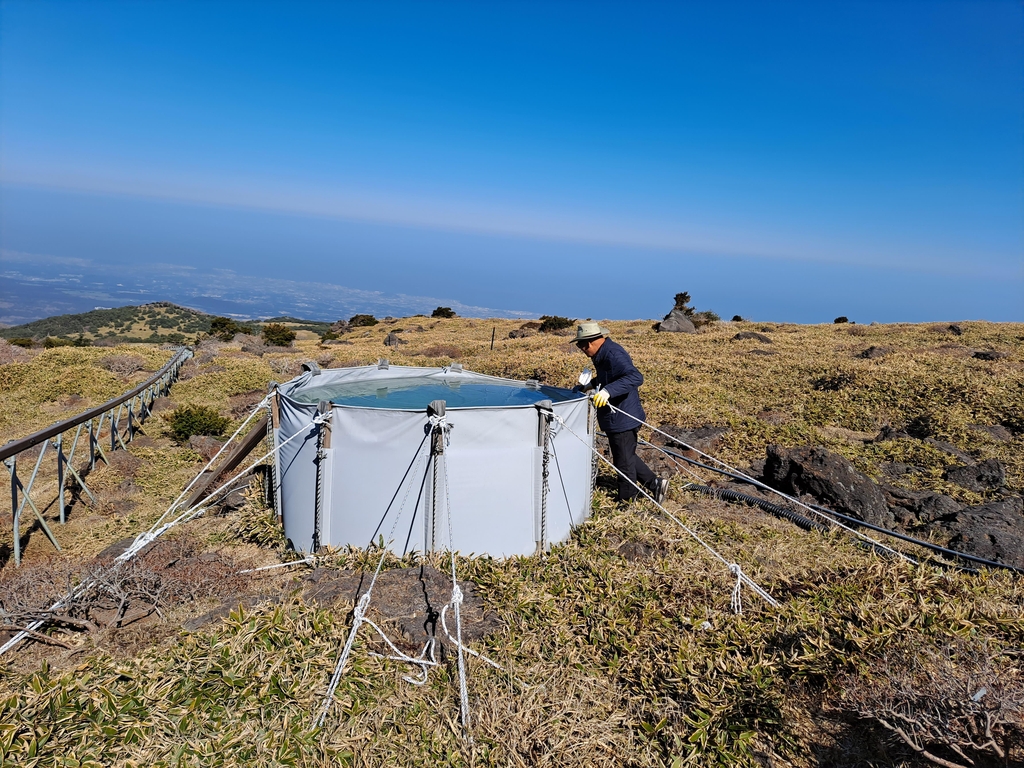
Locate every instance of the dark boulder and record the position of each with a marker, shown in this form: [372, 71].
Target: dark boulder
[205, 446]
[676, 321]
[997, 432]
[955, 329]
[984, 476]
[831, 479]
[521, 333]
[743, 335]
[988, 354]
[917, 509]
[874, 353]
[762, 352]
[393, 340]
[889, 432]
[707, 439]
[994, 531]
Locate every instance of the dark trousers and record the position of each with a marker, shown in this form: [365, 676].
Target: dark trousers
[623, 445]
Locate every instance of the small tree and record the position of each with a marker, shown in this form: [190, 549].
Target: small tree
[443, 312]
[224, 328]
[278, 335]
[360, 321]
[552, 323]
[738, 319]
[841, 319]
[683, 304]
[191, 420]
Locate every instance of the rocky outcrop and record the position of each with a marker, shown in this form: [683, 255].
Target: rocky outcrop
[915, 510]
[874, 353]
[994, 530]
[744, 335]
[831, 479]
[987, 475]
[707, 439]
[676, 321]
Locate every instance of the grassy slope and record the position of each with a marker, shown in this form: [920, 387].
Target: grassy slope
[610, 660]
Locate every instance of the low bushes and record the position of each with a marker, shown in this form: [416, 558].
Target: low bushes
[191, 420]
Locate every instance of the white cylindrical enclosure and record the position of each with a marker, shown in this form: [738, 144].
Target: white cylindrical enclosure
[377, 465]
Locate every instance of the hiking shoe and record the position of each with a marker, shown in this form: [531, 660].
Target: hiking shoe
[660, 489]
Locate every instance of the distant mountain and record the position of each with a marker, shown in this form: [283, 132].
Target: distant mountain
[158, 322]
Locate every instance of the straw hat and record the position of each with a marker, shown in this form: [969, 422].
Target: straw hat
[589, 330]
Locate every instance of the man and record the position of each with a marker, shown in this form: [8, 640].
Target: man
[619, 381]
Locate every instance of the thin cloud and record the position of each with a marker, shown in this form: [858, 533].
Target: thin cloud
[482, 219]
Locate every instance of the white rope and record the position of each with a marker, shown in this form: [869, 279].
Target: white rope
[261, 405]
[441, 422]
[304, 561]
[768, 488]
[360, 612]
[741, 576]
[737, 598]
[359, 615]
[141, 541]
[466, 648]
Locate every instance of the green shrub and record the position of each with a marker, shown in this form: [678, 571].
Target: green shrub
[50, 342]
[359, 321]
[706, 317]
[224, 328]
[738, 319]
[329, 336]
[191, 420]
[552, 323]
[444, 312]
[841, 319]
[277, 335]
[26, 343]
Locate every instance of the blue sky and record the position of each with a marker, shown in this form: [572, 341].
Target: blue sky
[782, 161]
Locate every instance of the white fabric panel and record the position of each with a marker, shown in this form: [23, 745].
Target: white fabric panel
[298, 473]
[571, 468]
[372, 449]
[491, 460]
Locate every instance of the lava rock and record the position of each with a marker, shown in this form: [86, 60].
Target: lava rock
[707, 438]
[988, 354]
[205, 446]
[743, 335]
[955, 329]
[762, 352]
[393, 340]
[984, 476]
[874, 353]
[521, 333]
[997, 432]
[916, 509]
[831, 479]
[994, 531]
[676, 322]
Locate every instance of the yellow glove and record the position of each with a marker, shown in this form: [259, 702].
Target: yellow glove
[600, 398]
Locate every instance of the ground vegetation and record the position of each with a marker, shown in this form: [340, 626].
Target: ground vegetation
[619, 647]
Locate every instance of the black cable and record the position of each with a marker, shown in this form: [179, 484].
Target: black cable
[423, 484]
[725, 493]
[408, 469]
[568, 508]
[850, 520]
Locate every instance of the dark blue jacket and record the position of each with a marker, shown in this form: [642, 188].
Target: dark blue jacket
[617, 374]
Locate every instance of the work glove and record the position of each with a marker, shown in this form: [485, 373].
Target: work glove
[600, 398]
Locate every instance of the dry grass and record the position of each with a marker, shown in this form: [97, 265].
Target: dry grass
[619, 646]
